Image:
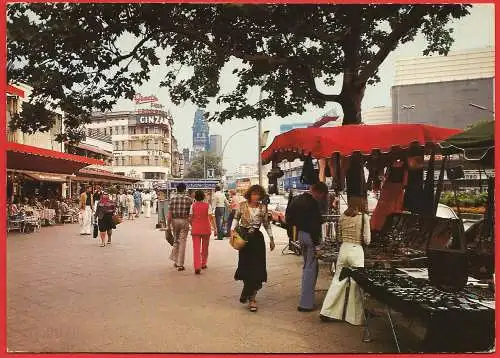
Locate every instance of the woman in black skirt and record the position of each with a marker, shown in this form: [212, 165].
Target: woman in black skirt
[252, 257]
[104, 214]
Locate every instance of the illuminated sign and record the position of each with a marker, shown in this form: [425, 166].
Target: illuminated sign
[152, 119]
[139, 98]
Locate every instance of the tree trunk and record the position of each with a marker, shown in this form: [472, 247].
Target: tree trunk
[352, 97]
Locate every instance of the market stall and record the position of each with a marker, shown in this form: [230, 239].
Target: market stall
[398, 147]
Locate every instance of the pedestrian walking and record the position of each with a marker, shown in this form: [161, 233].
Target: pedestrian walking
[154, 202]
[122, 202]
[219, 203]
[86, 209]
[137, 202]
[202, 221]
[104, 215]
[344, 300]
[147, 203]
[97, 197]
[304, 213]
[247, 221]
[236, 200]
[178, 222]
[162, 208]
[130, 205]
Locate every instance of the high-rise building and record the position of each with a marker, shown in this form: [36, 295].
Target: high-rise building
[216, 144]
[439, 90]
[186, 153]
[201, 132]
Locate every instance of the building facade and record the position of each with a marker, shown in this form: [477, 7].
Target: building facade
[377, 115]
[216, 144]
[143, 144]
[201, 133]
[445, 90]
[46, 140]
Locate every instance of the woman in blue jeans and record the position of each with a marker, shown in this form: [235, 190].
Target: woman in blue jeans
[219, 203]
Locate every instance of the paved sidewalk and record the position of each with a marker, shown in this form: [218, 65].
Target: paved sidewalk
[67, 294]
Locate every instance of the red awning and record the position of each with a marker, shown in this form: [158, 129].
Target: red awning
[104, 175]
[323, 142]
[26, 157]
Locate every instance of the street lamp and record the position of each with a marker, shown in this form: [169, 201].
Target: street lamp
[481, 107]
[408, 108]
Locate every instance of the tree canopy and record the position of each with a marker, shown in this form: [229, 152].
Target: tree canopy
[203, 161]
[75, 57]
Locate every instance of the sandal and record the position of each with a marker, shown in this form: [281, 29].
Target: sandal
[180, 268]
[103, 245]
[252, 306]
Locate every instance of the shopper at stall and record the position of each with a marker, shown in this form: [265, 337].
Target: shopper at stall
[354, 228]
[247, 221]
[147, 203]
[86, 209]
[202, 221]
[304, 213]
[137, 202]
[104, 215]
[219, 203]
[178, 222]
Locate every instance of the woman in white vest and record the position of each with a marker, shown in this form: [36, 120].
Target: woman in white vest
[343, 300]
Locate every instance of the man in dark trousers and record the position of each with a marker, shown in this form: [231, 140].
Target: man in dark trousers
[304, 213]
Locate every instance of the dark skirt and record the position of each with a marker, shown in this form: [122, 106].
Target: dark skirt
[252, 261]
[106, 223]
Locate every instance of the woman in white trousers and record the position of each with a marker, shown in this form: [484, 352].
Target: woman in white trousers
[354, 228]
[147, 204]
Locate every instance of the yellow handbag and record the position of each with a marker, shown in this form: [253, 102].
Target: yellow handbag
[236, 241]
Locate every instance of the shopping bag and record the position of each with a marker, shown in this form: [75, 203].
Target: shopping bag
[169, 236]
[237, 241]
[96, 231]
[117, 219]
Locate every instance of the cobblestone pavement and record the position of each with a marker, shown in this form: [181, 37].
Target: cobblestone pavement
[67, 294]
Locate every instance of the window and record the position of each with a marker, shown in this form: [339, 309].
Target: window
[146, 130]
[146, 160]
[124, 129]
[111, 131]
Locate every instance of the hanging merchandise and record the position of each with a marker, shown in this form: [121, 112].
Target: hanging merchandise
[322, 170]
[273, 176]
[391, 196]
[428, 194]
[355, 177]
[309, 173]
[439, 186]
[414, 193]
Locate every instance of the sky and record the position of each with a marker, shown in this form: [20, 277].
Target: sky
[474, 31]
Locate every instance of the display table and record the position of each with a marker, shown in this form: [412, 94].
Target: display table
[455, 322]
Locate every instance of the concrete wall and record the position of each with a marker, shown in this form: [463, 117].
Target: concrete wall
[444, 104]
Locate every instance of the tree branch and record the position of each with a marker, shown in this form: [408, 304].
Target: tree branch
[134, 50]
[412, 20]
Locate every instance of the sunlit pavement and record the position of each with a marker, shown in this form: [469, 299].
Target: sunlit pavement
[67, 294]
